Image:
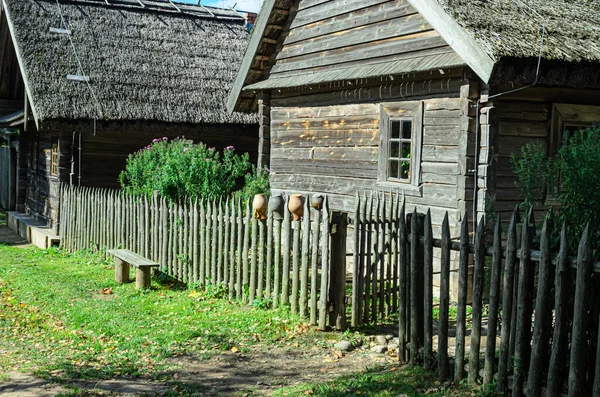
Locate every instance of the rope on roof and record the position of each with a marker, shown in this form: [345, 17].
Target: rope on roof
[204, 8]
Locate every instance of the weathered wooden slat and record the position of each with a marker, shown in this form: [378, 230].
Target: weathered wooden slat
[414, 288]
[542, 318]
[580, 318]
[323, 307]
[402, 284]
[356, 271]
[285, 272]
[305, 259]
[382, 226]
[428, 293]
[238, 257]
[443, 362]
[504, 361]
[220, 240]
[233, 243]
[314, 261]
[214, 243]
[261, 259]
[202, 231]
[461, 313]
[195, 243]
[269, 263]
[208, 231]
[369, 254]
[395, 252]
[521, 345]
[561, 319]
[253, 260]
[226, 244]
[477, 305]
[377, 255]
[246, 251]
[295, 266]
[492, 328]
[277, 262]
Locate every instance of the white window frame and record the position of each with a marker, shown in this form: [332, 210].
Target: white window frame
[398, 111]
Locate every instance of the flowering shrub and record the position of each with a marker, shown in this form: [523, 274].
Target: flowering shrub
[180, 169]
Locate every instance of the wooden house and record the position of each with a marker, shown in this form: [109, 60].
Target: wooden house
[97, 80]
[427, 98]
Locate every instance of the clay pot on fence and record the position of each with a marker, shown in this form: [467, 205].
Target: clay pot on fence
[296, 206]
[317, 202]
[276, 205]
[260, 205]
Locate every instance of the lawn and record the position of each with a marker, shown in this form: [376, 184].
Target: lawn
[63, 317]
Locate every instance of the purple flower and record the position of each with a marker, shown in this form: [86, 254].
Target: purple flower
[185, 149]
[155, 140]
[230, 148]
[165, 138]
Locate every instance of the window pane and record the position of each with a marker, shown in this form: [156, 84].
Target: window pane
[394, 150]
[405, 170]
[393, 170]
[406, 150]
[395, 130]
[407, 129]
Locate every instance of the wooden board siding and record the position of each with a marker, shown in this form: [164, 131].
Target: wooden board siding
[334, 149]
[332, 35]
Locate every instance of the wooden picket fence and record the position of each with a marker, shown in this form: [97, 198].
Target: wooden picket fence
[544, 306]
[211, 243]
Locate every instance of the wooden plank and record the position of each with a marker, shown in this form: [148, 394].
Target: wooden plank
[285, 272]
[269, 263]
[195, 244]
[203, 245]
[443, 362]
[337, 270]
[461, 313]
[580, 317]
[321, 11]
[246, 251]
[323, 299]
[560, 337]
[504, 361]
[369, 254]
[402, 284]
[414, 288]
[261, 259]
[132, 258]
[542, 320]
[296, 256]
[214, 243]
[277, 262]
[226, 244]
[382, 255]
[233, 248]
[522, 319]
[377, 255]
[395, 252]
[492, 328]
[477, 304]
[314, 261]
[253, 260]
[305, 259]
[428, 295]
[239, 255]
[357, 270]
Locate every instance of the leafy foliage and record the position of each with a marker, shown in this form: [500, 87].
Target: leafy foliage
[180, 169]
[574, 176]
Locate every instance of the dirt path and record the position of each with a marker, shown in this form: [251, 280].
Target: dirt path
[258, 373]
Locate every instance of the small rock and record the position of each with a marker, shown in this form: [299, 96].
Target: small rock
[389, 337]
[343, 345]
[381, 340]
[379, 349]
[372, 344]
[392, 346]
[396, 341]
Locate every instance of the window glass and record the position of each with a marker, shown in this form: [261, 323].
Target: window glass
[400, 149]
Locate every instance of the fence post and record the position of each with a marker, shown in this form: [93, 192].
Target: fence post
[323, 299]
[492, 329]
[416, 222]
[477, 304]
[443, 364]
[356, 296]
[337, 287]
[461, 313]
[428, 292]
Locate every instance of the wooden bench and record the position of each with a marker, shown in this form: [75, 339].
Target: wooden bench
[125, 258]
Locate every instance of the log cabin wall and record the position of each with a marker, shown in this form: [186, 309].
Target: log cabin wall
[104, 155]
[527, 117]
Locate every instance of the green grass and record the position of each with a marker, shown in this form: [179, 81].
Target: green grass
[379, 382]
[55, 321]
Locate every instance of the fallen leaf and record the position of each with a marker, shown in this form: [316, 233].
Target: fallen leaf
[107, 291]
[235, 349]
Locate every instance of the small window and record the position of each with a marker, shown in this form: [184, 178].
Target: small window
[54, 158]
[400, 145]
[400, 150]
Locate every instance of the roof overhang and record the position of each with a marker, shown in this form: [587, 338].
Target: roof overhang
[459, 40]
[255, 39]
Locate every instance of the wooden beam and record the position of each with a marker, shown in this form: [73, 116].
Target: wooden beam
[5, 13]
[261, 57]
[281, 11]
[465, 46]
[275, 27]
[269, 41]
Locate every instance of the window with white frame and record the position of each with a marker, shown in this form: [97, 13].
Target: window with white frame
[400, 146]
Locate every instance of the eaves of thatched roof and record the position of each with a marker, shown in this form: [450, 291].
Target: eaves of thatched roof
[150, 60]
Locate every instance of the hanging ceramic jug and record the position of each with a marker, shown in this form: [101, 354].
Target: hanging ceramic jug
[276, 204]
[317, 201]
[296, 206]
[260, 205]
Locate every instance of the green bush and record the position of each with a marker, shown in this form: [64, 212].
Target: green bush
[179, 169]
[573, 177]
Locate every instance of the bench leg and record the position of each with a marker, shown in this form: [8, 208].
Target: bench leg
[142, 278]
[121, 271]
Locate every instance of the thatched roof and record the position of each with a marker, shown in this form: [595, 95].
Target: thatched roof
[153, 62]
[512, 28]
